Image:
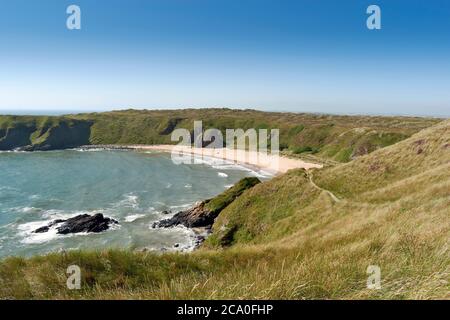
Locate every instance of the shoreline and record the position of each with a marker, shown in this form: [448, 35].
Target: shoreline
[273, 164]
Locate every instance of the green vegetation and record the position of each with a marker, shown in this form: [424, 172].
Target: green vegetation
[328, 137]
[302, 235]
[305, 149]
[42, 133]
[217, 204]
[404, 172]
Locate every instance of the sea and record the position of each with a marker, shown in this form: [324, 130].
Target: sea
[135, 188]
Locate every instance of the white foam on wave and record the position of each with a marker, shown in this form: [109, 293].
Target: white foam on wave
[222, 174]
[61, 214]
[27, 210]
[188, 234]
[222, 164]
[181, 206]
[7, 188]
[134, 217]
[131, 201]
[209, 160]
[90, 149]
[26, 230]
[13, 151]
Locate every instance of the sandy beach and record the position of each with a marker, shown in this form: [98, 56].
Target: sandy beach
[273, 164]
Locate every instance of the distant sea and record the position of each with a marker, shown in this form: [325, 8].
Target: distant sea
[131, 187]
[32, 112]
[38, 112]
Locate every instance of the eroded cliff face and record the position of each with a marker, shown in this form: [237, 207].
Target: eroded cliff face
[16, 137]
[36, 134]
[63, 136]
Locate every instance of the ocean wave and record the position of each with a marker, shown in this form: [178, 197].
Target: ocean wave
[54, 214]
[222, 174]
[181, 206]
[26, 231]
[91, 149]
[13, 151]
[101, 148]
[134, 217]
[130, 201]
[25, 152]
[8, 188]
[27, 209]
[211, 161]
[222, 164]
[188, 234]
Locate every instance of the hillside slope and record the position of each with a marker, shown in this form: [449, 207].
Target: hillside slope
[339, 138]
[42, 133]
[383, 177]
[288, 238]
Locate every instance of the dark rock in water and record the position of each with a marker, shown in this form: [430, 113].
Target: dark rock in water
[198, 216]
[47, 227]
[82, 223]
[86, 223]
[165, 212]
[42, 229]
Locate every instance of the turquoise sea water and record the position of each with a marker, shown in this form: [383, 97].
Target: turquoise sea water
[133, 188]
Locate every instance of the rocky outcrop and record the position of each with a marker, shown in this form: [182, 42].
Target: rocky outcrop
[196, 217]
[81, 223]
[203, 214]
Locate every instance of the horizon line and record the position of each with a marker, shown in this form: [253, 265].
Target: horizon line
[68, 112]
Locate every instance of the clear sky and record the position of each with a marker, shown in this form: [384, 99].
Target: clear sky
[279, 55]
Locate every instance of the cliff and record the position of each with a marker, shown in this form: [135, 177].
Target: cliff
[43, 133]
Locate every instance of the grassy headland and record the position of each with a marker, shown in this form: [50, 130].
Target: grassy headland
[302, 235]
[329, 137]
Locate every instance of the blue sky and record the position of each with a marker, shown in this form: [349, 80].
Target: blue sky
[278, 55]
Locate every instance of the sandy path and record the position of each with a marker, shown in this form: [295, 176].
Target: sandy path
[271, 163]
[331, 194]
